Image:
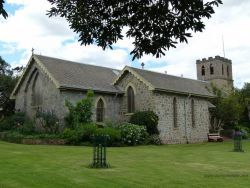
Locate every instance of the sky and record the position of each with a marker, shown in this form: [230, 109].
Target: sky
[29, 27]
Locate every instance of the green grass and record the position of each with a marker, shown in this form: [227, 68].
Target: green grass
[193, 165]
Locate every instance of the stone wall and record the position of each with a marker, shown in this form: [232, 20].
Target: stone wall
[221, 78]
[54, 100]
[185, 132]
[143, 96]
[116, 105]
[50, 95]
[111, 103]
[162, 104]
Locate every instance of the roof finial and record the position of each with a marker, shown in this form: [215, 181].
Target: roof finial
[32, 51]
[142, 65]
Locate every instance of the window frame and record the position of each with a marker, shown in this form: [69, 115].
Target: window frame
[100, 110]
[175, 113]
[203, 71]
[193, 113]
[211, 69]
[130, 99]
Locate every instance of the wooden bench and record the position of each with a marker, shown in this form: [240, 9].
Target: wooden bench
[214, 137]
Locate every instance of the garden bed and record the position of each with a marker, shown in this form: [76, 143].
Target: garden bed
[18, 138]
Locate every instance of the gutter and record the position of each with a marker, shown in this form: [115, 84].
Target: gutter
[185, 93]
[65, 88]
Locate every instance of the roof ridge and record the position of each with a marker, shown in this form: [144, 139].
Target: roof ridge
[168, 74]
[68, 61]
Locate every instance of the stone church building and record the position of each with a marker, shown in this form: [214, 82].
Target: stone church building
[182, 104]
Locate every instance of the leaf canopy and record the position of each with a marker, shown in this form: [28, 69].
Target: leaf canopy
[155, 25]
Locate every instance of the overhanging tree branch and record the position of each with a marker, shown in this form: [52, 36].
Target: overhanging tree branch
[155, 25]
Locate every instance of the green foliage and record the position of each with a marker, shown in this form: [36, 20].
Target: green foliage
[82, 133]
[17, 122]
[12, 122]
[154, 25]
[245, 131]
[133, 134]
[146, 118]
[81, 112]
[232, 109]
[86, 132]
[113, 124]
[8, 81]
[14, 137]
[27, 128]
[48, 120]
[154, 139]
[114, 135]
[2, 11]
[227, 133]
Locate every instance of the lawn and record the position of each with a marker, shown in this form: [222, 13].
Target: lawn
[193, 165]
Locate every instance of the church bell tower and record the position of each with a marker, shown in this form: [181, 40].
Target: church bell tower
[217, 70]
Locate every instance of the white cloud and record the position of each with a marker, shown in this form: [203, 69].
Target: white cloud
[30, 27]
[230, 20]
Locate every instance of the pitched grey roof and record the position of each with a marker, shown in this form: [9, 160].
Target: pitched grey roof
[72, 75]
[174, 84]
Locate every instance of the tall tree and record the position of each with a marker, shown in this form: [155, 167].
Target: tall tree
[2, 11]
[8, 80]
[155, 25]
[245, 100]
[231, 109]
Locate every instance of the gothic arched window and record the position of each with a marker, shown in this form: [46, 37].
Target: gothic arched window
[192, 113]
[175, 112]
[100, 111]
[37, 91]
[131, 100]
[227, 70]
[211, 69]
[203, 70]
[222, 70]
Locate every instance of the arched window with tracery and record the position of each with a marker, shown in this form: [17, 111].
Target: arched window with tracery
[100, 111]
[192, 113]
[203, 70]
[211, 69]
[175, 112]
[131, 100]
[37, 91]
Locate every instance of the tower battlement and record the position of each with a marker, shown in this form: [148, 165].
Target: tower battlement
[210, 59]
[217, 70]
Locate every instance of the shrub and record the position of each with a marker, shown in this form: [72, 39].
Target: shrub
[49, 121]
[133, 134]
[114, 135]
[13, 137]
[70, 136]
[83, 133]
[7, 123]
[13, 121]
[154, 139]
[27, 127]
[113, 124]
[227, 133]
[87, 131]
[244, 131]
[81, 112]
[146, 118]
